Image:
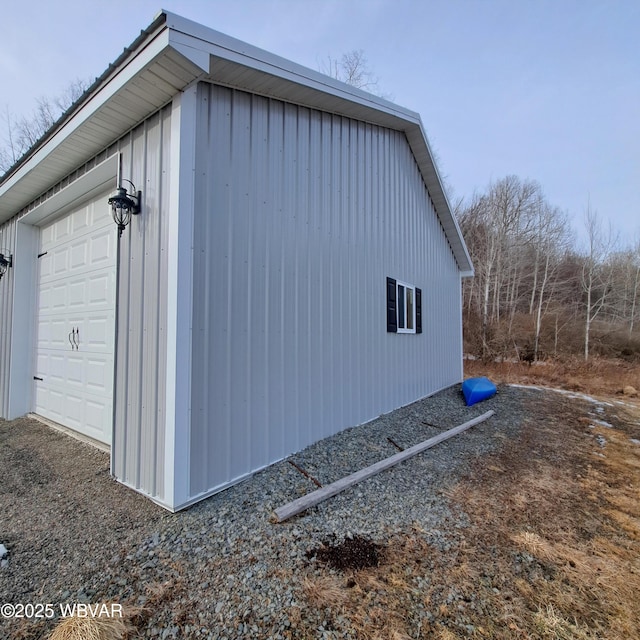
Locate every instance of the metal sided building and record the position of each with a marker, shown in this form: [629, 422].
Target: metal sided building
[295, 268]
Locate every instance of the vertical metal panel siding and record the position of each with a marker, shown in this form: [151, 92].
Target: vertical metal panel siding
[138, 455]
[8, 242]
[300, 217]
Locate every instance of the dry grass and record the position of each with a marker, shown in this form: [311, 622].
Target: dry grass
[550, 624]
[552, 551]
[599, 376]
[93, 628]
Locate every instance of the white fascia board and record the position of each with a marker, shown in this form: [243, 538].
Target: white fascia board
[120, 78]
[197, 36]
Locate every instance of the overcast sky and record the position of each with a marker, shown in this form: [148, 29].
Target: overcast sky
[548, 90]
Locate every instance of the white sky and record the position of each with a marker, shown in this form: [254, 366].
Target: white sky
[548, 90]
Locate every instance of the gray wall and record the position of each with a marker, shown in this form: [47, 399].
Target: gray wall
[137, 451]
[8, 242]
[300, 217]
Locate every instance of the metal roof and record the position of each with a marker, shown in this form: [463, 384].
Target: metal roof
[166, 57]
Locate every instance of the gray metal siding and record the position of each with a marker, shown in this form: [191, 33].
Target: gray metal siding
[7, 242]
[300, 217]
[138, 445]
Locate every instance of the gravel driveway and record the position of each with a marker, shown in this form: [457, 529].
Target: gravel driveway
[222, 569]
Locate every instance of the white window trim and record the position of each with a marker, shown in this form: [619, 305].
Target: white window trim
[406, 285]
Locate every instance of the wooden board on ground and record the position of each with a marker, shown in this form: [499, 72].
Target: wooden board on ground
[311, 499]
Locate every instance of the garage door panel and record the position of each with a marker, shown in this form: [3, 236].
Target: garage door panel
[60, 262]
[78, 255]
[81, 221]
[44, 334]
[77, 293]
[56, 368]
[94, 416]
[46, 266]
[99, 375]
[102, 248]
[59, 297]
[91, 291]
[50, 404]
[101, 290]
[87, 219]
[75, 372]
[62, 229]
[98, 334]
[52, 334]
[90, 334]
[46, 236]
[76, 323]
[73, 410]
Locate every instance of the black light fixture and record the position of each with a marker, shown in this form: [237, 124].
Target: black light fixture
[5, 263]
[124, 205]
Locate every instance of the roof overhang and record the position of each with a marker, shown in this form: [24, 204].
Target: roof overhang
[168, 56]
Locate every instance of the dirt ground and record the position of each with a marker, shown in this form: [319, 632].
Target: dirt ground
[552, 550]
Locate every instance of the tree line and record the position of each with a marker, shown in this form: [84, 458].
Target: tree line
[537, 294]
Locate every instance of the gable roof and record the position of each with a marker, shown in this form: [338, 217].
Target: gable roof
[169, 55]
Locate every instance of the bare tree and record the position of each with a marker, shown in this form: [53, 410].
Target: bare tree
[8, 149]
[635, 268]
[497, 227]
[625, 286]
[353, 69]
[21, 133]
[551, 241]
[596, 271]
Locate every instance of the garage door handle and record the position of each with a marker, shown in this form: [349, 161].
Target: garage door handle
[74, 338]
[36, 378]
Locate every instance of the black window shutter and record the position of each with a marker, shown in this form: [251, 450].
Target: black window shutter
[392, 317]
[418, 310]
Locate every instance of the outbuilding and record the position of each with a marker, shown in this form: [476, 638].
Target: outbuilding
[290, 265]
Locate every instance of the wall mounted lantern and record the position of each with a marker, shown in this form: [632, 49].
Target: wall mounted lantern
[5, 263]
[124, 205]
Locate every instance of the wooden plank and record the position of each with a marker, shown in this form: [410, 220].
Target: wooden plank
[311, 499]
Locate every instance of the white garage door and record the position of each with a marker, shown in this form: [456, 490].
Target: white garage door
[76, 320]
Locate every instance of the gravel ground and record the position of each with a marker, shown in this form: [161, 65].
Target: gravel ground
[223, 569]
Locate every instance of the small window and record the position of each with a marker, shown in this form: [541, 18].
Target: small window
[404, 307]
